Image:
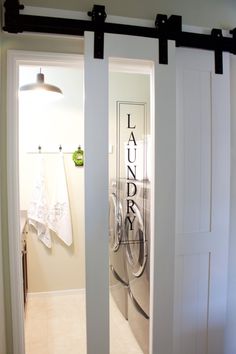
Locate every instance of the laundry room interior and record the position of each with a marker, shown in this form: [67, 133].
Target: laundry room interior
[51, 135]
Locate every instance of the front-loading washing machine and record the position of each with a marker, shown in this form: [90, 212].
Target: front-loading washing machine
[117, 252]
[137, 238]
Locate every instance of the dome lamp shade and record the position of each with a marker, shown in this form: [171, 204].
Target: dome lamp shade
[42, 88]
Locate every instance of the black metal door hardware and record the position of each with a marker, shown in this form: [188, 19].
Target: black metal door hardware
[98, 16]
[165, 29]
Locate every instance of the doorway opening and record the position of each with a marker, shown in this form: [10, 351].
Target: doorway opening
[51, 208]
[50, 307]
[46, 264]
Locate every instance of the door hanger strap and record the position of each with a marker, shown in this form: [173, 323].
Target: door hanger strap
[98, 15]
[217, 37]
[167, 28]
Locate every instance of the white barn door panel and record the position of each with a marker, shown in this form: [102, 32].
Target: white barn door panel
[202, 203]
[136, 50]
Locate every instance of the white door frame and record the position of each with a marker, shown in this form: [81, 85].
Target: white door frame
[2, 311]
[16, 58]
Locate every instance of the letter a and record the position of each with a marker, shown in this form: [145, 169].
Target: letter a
[132, 138]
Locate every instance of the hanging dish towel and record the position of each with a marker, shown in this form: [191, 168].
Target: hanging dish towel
[38, 208]
[59, 219]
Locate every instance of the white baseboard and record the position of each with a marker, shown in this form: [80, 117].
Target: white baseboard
[57, 293]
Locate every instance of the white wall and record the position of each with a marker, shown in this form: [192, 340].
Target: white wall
[49, 125]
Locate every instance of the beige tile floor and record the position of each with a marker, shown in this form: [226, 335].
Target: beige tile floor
[55, 324]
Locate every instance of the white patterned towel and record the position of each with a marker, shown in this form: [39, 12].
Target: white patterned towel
[59, 219]
[38, 208]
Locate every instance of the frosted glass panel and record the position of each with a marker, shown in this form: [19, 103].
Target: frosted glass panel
[129, 216]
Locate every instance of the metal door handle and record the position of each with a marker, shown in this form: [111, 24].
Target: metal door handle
[116, 275]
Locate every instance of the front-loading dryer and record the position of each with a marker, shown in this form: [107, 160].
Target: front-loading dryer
[117, 261]
[137, 238]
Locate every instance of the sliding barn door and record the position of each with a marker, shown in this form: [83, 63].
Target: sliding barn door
[136, 50]
[202, 203]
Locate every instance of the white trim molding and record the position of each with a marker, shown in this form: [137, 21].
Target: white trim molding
[14, 60]
[2, 311]
[13, 208]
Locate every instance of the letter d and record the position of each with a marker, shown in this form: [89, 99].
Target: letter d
[133, 191]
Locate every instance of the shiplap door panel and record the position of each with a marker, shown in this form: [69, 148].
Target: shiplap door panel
[202, 203]
[136, 51]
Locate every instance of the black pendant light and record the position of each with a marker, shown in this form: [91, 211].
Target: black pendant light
[42, 88]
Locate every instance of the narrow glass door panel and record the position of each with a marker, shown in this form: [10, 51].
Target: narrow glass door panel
[129, 209]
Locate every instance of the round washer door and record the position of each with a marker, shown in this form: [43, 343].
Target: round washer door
[115, 222]
[136, 243]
